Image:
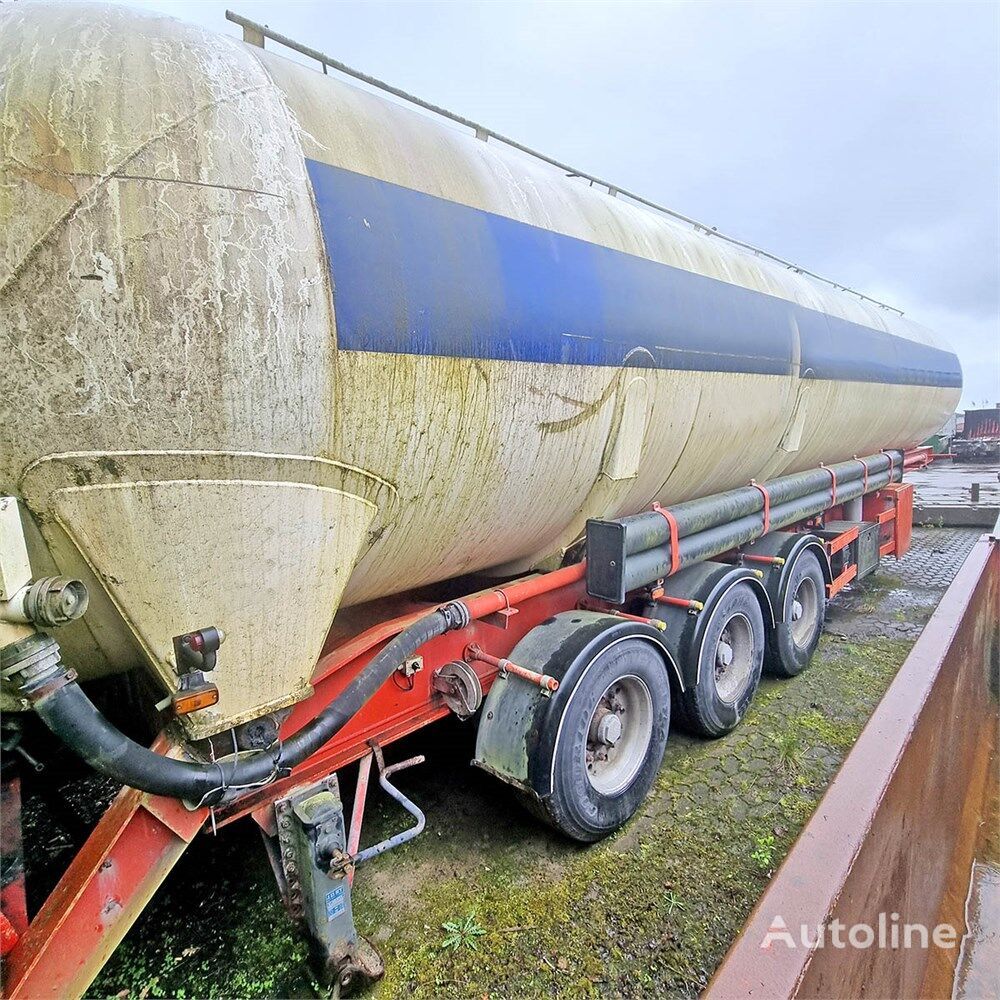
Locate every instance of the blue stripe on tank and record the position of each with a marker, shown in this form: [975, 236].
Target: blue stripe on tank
[417, 274]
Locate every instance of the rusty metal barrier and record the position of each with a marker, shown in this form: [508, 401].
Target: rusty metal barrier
[895, 833]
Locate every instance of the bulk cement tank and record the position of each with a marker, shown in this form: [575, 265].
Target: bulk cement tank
[273, 345]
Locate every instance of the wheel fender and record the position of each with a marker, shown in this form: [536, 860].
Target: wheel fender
[706, 582]
[519, 725]
[786, 545]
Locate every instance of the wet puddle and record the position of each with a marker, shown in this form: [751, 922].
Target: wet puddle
[977, 976]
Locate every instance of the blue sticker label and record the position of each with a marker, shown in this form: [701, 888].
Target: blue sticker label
[336, 902]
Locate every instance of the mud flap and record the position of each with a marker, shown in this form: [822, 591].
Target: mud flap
[519, 723]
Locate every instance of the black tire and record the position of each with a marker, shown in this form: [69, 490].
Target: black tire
[716, 704]
[579, 806]
[794, 640]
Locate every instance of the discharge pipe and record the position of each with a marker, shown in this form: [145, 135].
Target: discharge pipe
[642, 568]
[649, 530]
[632, 552]
[35, 665]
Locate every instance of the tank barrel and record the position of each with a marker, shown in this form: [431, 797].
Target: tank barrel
[586, 349]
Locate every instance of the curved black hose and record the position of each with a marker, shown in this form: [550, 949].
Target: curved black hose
[71, 715]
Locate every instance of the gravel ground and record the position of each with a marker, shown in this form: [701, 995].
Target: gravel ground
[651, 909]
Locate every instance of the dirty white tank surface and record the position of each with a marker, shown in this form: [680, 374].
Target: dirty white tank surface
[272, 345]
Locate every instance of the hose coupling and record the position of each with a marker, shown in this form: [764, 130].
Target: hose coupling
[34, 666]
[456, 615]
[51, 601]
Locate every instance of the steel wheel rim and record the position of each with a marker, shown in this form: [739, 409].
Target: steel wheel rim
[624, 712]
[804, 609]
[734, 654]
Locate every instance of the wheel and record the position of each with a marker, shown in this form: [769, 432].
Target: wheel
[585, 757]
[609, 741]
[794, 639]
[730, 660]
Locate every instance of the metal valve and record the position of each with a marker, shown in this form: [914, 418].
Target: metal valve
[51, 601]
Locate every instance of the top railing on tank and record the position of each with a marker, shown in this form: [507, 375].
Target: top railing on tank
[255, 34]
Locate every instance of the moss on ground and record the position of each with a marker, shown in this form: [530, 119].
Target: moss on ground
[217, 929]
[652, 908]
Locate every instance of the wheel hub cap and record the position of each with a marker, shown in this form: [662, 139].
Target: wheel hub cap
[609, 730]
[805, 609]
[724, 654]
[734, 654]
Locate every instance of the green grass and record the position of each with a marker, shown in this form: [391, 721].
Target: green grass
[489, 904]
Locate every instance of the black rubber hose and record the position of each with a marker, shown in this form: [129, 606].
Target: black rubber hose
[71, 715]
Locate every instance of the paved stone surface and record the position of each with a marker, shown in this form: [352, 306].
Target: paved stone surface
[900, 598]
[935, 556]
[946, 483]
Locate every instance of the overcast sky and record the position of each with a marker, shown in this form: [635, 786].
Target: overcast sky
[861, 140]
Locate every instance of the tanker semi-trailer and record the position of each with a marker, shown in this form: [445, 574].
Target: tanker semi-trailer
[288, 362]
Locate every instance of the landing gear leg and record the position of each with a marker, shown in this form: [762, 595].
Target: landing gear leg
[314, 864]
[306, 841]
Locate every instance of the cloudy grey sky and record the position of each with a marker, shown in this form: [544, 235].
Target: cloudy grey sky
[861, 140]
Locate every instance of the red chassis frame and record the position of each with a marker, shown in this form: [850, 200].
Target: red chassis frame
[141, 836]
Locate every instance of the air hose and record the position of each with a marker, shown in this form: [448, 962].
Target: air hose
[35, 665]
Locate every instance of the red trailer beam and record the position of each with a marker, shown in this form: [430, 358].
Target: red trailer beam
[396, 711]
[107, 885]
[13, 901]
